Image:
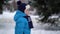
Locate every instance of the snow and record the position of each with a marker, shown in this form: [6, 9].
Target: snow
[54, 16]
[7, 14]
[45, 32]
[8, 27]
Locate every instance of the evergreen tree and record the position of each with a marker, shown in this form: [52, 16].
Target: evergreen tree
[46, 7]
[1, 3]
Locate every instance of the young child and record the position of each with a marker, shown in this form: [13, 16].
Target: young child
[22, 26]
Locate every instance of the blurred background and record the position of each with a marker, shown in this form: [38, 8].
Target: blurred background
[45, 15]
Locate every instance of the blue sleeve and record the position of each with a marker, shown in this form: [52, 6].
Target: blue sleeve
[16, 16]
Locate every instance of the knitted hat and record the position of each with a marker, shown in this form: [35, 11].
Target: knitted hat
[18, 3]
[22, 7]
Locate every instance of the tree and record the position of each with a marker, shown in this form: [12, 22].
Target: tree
[1, 3]
[46, 7]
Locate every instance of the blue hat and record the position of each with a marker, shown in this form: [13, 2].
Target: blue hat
[22, 7]
[18, 3]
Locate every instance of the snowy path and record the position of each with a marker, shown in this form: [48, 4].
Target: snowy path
[7, 25]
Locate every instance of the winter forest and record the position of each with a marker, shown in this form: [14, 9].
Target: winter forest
[45, 15]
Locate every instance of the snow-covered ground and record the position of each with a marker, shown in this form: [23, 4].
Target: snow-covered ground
[7, 25]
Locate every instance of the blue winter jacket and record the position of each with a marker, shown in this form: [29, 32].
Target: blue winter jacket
[21, 23]
[18, 15]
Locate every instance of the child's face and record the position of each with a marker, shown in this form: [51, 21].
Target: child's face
[27, 9]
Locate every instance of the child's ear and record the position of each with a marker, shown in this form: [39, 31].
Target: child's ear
[27, 6]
